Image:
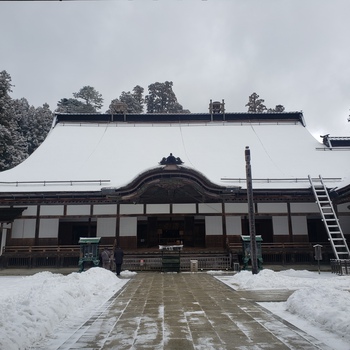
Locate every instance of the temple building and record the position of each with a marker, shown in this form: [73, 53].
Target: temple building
[146, 180]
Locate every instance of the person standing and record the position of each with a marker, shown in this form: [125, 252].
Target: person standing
[118, 260]
[105, 256]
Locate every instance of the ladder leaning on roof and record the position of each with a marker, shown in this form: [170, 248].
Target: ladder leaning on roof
[329, 218]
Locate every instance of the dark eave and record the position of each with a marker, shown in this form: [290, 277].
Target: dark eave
[10, 214]
[108, 196]
[341, 195]
[335, 141]
[180, 117]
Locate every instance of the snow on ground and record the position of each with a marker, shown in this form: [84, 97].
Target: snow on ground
[320, 304]
[33, 307]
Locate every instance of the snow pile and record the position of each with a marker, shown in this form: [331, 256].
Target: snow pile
[324, 306]
[32, 307]
[35, 308]
[289, 279]
[321, 299]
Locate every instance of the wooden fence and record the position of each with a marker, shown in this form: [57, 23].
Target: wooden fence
[67, 256]
[340, 267]
[285, 253]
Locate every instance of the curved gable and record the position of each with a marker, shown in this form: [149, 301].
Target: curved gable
[170, 183]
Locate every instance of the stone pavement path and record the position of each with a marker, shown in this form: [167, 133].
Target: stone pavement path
[187, 311]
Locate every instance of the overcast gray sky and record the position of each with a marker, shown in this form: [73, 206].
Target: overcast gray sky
[291, 52]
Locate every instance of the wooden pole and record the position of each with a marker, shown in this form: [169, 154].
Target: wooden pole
[253, 246]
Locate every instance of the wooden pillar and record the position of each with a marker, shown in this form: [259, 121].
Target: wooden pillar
[224, 229]
[290, 226]
[253, 246]
[37, 225]
[117, 229]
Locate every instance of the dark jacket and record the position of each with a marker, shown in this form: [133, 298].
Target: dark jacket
[118, 256]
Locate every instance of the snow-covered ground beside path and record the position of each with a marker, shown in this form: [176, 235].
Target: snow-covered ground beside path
[34, 307]
[44, 306]
[320, 304]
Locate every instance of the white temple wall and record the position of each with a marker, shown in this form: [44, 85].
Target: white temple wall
[48, 228]
[106, 217]
[299, 225]
[128, 227]
[304, 208]
[280, 225]
[4, 228]
[46, 210]
[209, 208]
[213, 225]
[186, 208]
[158, 208]
[130, 209]
[266, 208]
[106, 227]
[30, 211]
[239, 208]
[23, 228]
[233, 225]
[105, 209]
[78, 209]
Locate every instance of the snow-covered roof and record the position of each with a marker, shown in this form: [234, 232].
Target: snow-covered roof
[88, 155]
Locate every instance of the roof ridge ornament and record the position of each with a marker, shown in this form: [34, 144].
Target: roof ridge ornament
[171, 160]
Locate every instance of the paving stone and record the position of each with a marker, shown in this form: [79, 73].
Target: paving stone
[188, 311]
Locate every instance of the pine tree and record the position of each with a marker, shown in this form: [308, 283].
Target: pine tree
[137, 93]
[162, 99]
[133, 102]
[255, 105]
[128, 102]
[92, 102]
[279, 109]
[72, 105]
[91, 97]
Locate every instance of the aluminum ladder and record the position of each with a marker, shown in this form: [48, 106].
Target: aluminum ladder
[330, 219]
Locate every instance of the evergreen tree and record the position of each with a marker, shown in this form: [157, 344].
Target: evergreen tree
[5, 99]
[72, 105]
[116, 106]
[137, 93]
[162, 99]
[255, 105]
[277, 109]
[33, 125]
[128, 102]
[39, 123]
[13, 149]
[22, 127]
[132, 105]
[91, 97]
[92, 101]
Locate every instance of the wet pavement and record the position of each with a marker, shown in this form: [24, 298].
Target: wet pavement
[188, 311]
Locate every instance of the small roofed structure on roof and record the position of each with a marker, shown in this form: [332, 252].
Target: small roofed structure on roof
[150, 180]
[331, 141]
